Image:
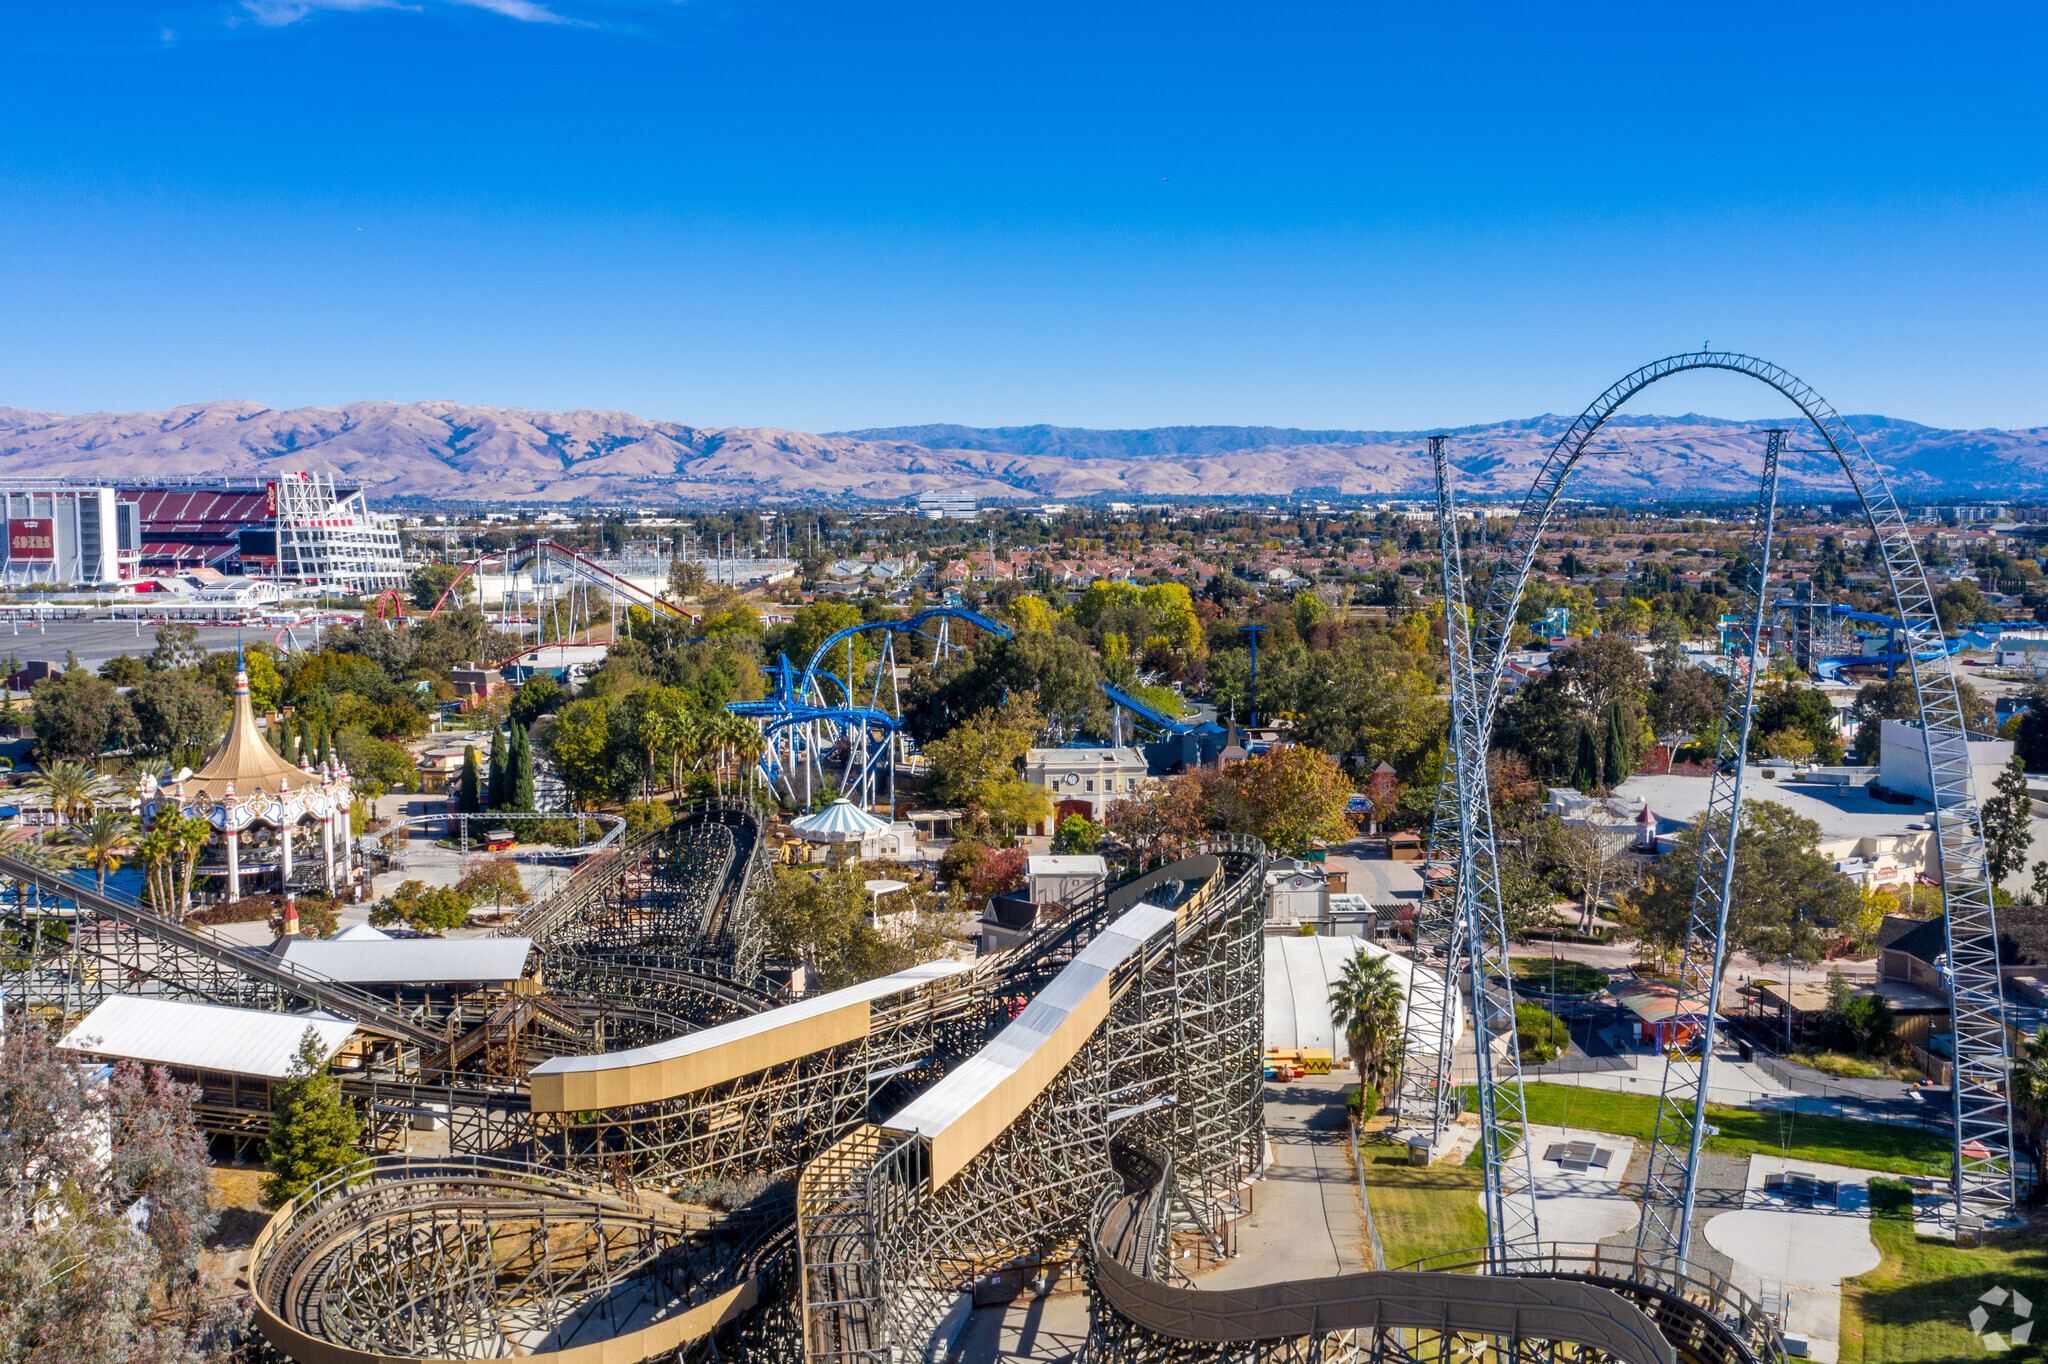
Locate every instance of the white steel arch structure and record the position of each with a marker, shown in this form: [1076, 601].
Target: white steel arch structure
[1984, 1178]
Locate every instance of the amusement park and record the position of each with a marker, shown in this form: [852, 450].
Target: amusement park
[648, 965]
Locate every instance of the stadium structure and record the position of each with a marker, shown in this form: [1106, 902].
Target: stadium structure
[299, 527]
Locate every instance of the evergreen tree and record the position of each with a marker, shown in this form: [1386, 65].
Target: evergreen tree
[324, 754]
[521, 797]
[1615, 759]
[1586, 769]
[302, 746]
[500, 790]
[468, 800]
[278, 739]
[313, 1130]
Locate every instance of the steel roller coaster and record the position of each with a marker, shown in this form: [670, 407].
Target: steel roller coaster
[1460, 934]
[813, 711]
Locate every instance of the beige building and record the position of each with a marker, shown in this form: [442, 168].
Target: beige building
[1084, 781]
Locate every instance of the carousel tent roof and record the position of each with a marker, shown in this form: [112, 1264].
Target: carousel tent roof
[840, 822]
[244, 760]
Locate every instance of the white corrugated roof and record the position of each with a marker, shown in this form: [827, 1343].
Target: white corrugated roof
[1299, 974]
[946, 1102]
[755, 1025]
[361, 933]
[1066, 864]
[174, 1032]
[409, 961]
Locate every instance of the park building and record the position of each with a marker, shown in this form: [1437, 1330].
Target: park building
[277, 826]
[1085, 781]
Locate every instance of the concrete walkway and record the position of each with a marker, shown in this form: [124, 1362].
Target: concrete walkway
[1305, 1223]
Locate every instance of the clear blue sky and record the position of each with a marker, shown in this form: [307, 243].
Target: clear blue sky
[833, 215]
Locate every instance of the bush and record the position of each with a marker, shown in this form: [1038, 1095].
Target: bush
[1541, 1034]
[1364, 1103]
[562, 832]
[249, 909]
[644, 816]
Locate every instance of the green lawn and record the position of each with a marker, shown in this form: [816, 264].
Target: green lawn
[1916, 1305]
[1573, 977]
[1422, 1211]
[1747, 1131]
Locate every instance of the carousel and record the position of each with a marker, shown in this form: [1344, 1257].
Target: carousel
[261, 806]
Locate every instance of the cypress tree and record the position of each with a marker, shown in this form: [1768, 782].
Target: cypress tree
[500, 779]
[1586, 772]
[1616, 757]
[313, 1129]
[522, 770]
[468, 800]
[278, 740]
[322, 754]
[302, 746]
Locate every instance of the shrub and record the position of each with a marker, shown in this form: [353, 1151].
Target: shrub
[1541, 1034]
[1364, 1103]
[416, 906]
[643, 816]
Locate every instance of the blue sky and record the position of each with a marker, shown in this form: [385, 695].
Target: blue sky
[827, 216]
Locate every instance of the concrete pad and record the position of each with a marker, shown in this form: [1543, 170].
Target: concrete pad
[1577, 1206]
[1796, 1256]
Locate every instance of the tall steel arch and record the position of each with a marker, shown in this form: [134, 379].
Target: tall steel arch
[1984, 1179]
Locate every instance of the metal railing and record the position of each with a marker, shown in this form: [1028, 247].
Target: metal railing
[1372, 1228]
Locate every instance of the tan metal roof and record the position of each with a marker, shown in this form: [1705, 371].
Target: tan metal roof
[960, 1115]
[684, 1065]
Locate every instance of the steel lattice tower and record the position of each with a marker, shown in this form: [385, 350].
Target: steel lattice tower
[1666, 1228]
[1503, 1129]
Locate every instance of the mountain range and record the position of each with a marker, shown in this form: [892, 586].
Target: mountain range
[447, 452]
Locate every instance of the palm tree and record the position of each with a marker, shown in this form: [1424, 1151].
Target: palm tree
[69, 787]
[189, 835]
[102, 841]
[748, 743]
[158, 852]
[1366, 1005]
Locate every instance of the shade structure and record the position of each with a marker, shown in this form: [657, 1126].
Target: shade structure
[840, 822]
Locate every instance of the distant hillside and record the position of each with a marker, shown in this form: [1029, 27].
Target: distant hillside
[446, 451]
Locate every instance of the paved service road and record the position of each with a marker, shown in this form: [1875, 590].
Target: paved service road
[1305, 1223]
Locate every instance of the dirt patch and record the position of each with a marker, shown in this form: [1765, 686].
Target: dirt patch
[238, 1194]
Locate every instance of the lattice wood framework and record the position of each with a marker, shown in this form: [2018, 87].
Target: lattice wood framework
[1176, 1066]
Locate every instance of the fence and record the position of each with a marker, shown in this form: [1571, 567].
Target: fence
[1372, 1229]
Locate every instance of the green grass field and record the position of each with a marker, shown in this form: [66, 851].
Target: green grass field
[1746, 1131]
[1572, 977]
[1422, 1211]
[1916, 1305]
